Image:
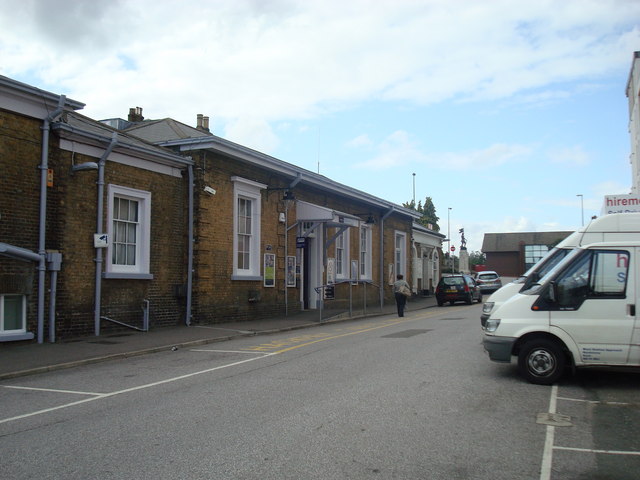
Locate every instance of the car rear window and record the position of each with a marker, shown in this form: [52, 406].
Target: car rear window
[453, 281]
[488, 276]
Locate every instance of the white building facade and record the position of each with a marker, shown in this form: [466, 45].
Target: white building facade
[633, 95]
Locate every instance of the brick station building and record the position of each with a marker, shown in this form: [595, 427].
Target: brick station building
[144, 223]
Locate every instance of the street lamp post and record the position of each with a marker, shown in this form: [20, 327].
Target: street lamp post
[581, 207]
[449, 237]
[414, 190]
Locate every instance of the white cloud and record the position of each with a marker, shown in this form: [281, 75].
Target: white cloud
[520, 224]
[292, 59]
[361, 141]
[400, 149]
[395, 150]
[252, 132]
[490, 157]
[610, 188]
[571, 156]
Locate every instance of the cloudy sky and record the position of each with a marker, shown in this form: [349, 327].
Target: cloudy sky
[504, 110]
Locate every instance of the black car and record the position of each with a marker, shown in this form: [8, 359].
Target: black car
[457, 288]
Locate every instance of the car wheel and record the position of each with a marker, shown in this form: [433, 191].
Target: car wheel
[541, 361]
[469, 299]
[451, 302]
[480, 298]
[440, 303]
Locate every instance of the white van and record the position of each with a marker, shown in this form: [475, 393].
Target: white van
[614, 227]
[582, 313]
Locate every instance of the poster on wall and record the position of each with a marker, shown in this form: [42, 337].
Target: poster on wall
[269, 270]
[331, 271]
[291, 271]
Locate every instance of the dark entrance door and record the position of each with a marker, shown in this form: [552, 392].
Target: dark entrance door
[306, 273]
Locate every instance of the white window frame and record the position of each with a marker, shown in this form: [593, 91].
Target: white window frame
[435, 265]
[141, 269]
[365, 253]
[248, 190]
[400, 253]
[343, 268]
[23, 329]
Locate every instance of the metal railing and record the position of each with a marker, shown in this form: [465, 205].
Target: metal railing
[129, 314]
[348, 299]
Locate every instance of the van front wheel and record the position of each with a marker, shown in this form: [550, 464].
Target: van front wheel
[541, 361]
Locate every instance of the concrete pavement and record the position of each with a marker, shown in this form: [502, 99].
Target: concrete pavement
[18, 359]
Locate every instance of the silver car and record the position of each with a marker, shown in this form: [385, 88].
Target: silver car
[488, 281]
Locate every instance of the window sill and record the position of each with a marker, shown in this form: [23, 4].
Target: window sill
[14, 337]
[127, 276]
[253, 278]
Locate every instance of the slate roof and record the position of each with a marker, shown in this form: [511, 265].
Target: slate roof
[73, 124]
[166, 129]
[175, 135]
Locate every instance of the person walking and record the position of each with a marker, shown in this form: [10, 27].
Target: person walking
[401, 290]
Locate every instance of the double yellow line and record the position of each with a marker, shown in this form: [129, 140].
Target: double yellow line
[322, 337]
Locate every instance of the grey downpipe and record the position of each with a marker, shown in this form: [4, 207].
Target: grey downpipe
[44, 166]
[99, 214]
[53, 279]
[54, 262]
[190, 258]
[382, 219]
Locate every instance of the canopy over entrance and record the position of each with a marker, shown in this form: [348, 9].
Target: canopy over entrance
[316, 215]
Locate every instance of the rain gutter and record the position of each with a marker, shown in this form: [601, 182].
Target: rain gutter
[190, 247]
[99, 214]
[42, 237]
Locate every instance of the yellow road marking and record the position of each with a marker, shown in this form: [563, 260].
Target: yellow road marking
[292, 343]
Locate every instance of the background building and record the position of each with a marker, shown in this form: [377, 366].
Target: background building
[633, 92]
[512, 254]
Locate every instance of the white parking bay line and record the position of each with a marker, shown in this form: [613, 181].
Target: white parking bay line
[132, 389]
[595, 402]
[53, 390]
[589, 450]
[547, 454]
[549, 447]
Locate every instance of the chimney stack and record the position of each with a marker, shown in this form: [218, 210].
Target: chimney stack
[135, 114]
[202, 123]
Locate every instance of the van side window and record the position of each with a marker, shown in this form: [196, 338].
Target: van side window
[572, 286]
[609, 274]
[597, 274]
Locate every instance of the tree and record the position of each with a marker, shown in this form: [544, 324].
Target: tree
[476, 258]
[429, 218]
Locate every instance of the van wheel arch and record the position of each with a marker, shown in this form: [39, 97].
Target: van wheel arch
[543, 341]
[535, 350]
[541, 335]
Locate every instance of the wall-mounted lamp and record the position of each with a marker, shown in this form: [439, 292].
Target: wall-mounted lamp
[370, 220]
[288, 193]
[210, 190]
